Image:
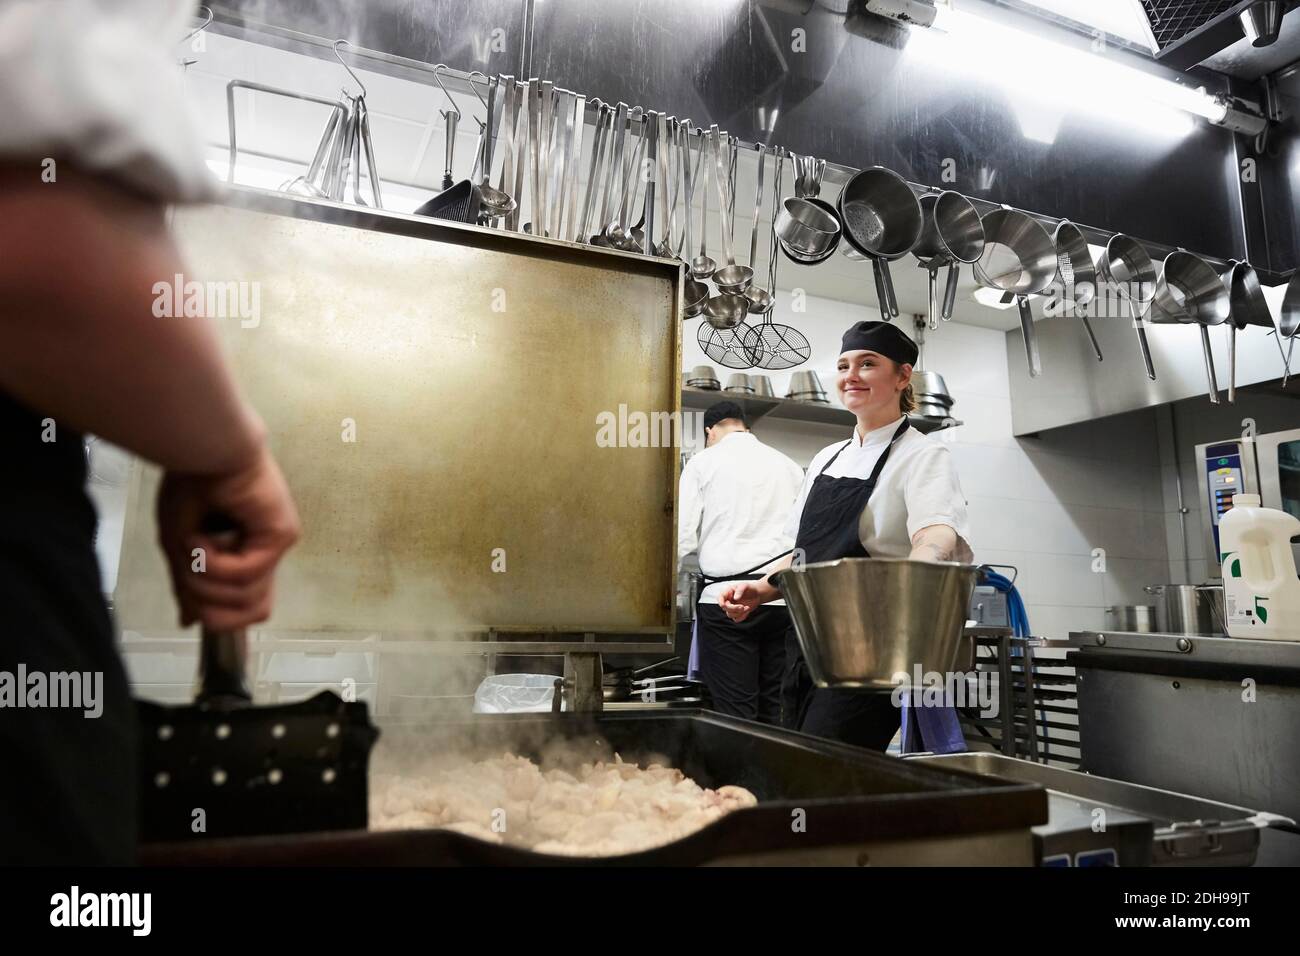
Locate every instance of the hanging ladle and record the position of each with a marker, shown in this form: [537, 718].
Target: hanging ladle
[695, 292]
[702, 267]
[495, 203]
[729, 307]
[1127, 266]
[616, 233]
[731, 279]
[762, 298]
[1190, 291]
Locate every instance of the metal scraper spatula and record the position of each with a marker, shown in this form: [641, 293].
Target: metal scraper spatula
[222, 767]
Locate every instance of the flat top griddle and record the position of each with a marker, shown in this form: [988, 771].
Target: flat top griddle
[848, 795]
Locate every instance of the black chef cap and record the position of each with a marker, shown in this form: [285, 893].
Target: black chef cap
[882, 337]
[721, 411]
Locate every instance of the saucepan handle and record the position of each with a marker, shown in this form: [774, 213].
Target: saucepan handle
[1031, 341]
[933, 300]
[1210, 379]
[950, 292]
[889, 287]
[881, 296]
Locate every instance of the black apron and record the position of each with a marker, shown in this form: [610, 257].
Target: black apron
[67, 781]
[828, 530]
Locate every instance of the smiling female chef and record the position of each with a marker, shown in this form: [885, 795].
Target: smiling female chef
[908, 484]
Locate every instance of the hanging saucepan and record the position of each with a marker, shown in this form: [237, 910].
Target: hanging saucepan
[951, 233]
[1019, 259]
[807, 228]
[1189, 290]
[1288, 322]
[1249, 307]
[1127, 265]
[1078, 274]
[882, 220]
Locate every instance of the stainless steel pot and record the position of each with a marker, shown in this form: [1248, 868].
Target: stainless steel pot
[739, 382]
[861, 621]
[703, 376]
[1077, 273]
[882, 219]
[1019, 259]
[1189, 608]
[1139, 618]
[951, 234]
[804, 382]
[930, 386]
[1189, 291]
[1127, 265]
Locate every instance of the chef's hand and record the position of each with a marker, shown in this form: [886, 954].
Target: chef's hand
[739, 600]
[220, 588]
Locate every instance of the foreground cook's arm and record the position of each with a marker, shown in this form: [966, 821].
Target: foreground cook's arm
[80, 342]
[938, 542]
[767, 591]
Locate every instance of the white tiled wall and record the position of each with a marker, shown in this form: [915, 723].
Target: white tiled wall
[1040, 504]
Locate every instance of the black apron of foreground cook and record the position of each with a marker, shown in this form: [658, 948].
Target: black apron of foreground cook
[67, 780]
[828, 530]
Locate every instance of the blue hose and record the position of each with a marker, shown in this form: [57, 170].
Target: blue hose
[1019, 621]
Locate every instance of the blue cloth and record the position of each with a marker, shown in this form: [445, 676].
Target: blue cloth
[932, 729]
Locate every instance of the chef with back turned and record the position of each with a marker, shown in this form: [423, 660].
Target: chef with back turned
[735, 497]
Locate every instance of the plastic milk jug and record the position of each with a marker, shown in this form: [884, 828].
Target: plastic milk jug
[1260, 588]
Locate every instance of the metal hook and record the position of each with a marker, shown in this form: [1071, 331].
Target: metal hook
[201, 27]
[438, 79]
[475, 88]
[348, 68]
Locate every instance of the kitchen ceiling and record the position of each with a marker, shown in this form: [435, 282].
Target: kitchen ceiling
[1155, 25]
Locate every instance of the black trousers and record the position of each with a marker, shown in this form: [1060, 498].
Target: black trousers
[862, 718]
[742, 664]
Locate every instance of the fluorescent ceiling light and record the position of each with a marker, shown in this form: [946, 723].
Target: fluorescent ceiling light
[992, 298]
[1046, 81]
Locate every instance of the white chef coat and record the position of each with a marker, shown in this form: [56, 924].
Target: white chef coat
[733, 503]
[917, 488]
[97, 83]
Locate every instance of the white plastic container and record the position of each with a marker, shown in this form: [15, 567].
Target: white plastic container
[1260, 587]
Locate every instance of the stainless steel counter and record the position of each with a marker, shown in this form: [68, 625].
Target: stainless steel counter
[1211, 716]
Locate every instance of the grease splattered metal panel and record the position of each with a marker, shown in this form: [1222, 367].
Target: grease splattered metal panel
[474, 374]
[468, 35]
[867, 91]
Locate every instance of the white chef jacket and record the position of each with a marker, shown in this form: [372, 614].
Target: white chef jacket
[97, 83]
[917, 488]
[733, 503]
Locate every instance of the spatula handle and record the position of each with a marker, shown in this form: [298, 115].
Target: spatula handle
[223, 655]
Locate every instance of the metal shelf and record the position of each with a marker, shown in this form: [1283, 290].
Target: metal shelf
[790, 410]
